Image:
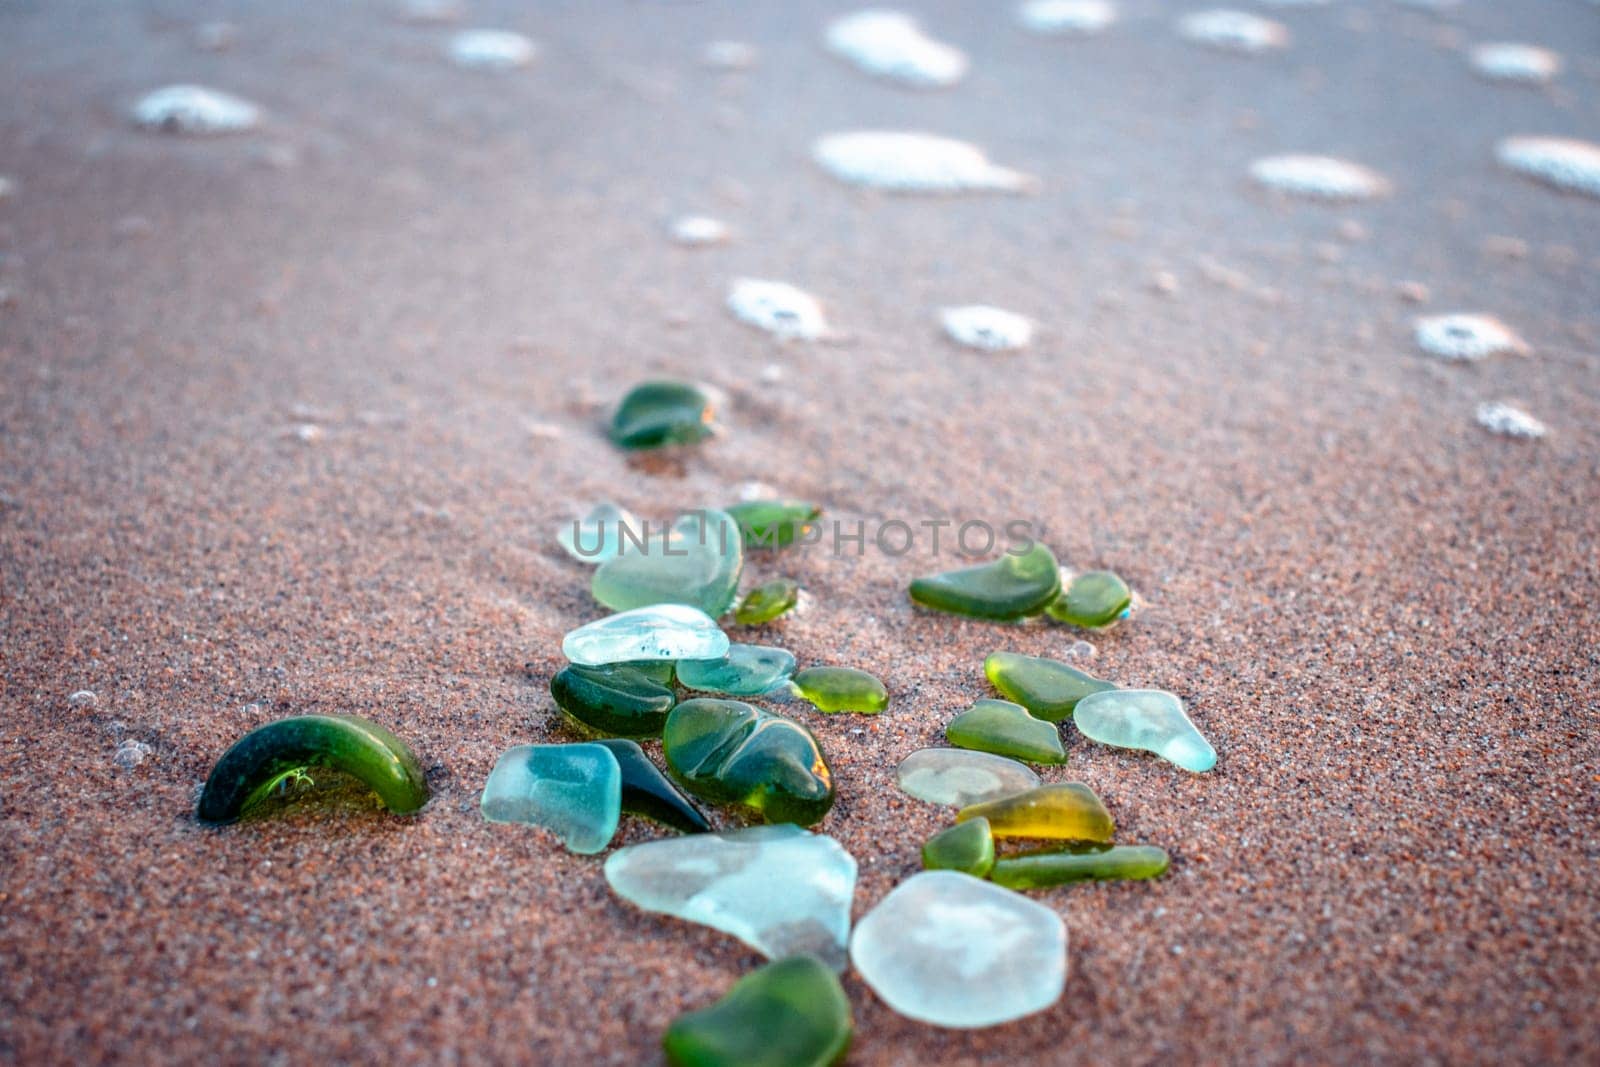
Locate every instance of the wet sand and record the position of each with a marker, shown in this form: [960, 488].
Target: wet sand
[1383, 616]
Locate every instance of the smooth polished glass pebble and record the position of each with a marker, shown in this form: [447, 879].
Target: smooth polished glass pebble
[891, 45]
[648, 792]
[727, 752]
[1069, 812]
[989, 328]
[841, 689]
[967, 847]
[791, 1013]
[575, 791]
[746, 671]
[696, 561]
[1048, 688]
[663, 631]
[1006, 729]
[195, 110]
[1014, 586]
[959, 777]
[260, 761]
[779, 889]
[767, 601]
[914, 163]
[1149, 719]
[661, 413]
[1081, 863]
[1094, 600]
[614, 700]
[773, 523]
[598, 536]
[949, 949]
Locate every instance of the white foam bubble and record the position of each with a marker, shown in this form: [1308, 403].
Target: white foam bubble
[1565, 163]
[779, 308]
[1524, 63]
[130, 754]
[1501, 418]
[890, 44]
[194, 109]
[914, 162]
[1234, 31]
[1067, 16]
[1321, 177]
[699, 230]
[491, 50]
[990, 328]
[1466, 337]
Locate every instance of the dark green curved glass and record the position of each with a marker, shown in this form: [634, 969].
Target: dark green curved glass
[615, 700]
[1006, 729]
[662, 413]
[1080, 864]
[967, 847]
[791, 1013]
[727, 752]
[249, 771]
[1011, 587]
[648, 792]
[1093, 600]
[766, 602]
[773, 523]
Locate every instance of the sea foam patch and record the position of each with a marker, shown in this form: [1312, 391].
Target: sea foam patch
[1563, 162]
[1504, 419]
[1318, 177]
[195, 110]
[1466, 337]
[914, 162]
[891, 45]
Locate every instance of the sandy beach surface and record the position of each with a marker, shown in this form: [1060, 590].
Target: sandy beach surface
[288, 420]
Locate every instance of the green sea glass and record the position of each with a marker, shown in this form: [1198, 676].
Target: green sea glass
[727, 752]
[1069, 812]
[1148, 719]
[774, 523]
[841, 689]
[766, 602]
[747, 670]
[967, 847]
[1093, 600]
[1081, 863]
[648, 792]
[615, 700]
[1011, 587]
[697, 562]
[791, 1013]
[256, 764]
[1006, 729]
[575, 791]
[1048, 688]
[662, 413]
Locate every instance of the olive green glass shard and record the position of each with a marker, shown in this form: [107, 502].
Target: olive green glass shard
[841, 689]
[774, 523]
[1014, 586]
[1093, 600]
[1080, 863]
[661, 413]
[614, 700]
[1048, 688]
[967, 847]
[1006, 729]
[791, 1013]
[767, 602]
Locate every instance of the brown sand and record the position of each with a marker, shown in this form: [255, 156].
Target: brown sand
[1382, 615]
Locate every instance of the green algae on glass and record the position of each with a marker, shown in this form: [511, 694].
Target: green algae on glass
[1148, 719]
[615, 700]
[575, 791]
[967, 847]
[662, 413]
[648, 792]
[1081, 863]
[841, 689]
[1006, 729]
[1093, 600]
[1069, 812]
[747, 670]
[774, 523]
[766, 602]
[791, 1013]
[263, 758]
[727, 752]
[1014, 586]
[697, 562]
[1048, 688]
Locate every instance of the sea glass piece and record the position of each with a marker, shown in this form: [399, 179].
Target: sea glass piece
[648, 792]
[575, 791]
[655, 414]
[967, 847]
[1011, 587]
[791, 1013]
[961, 778]
[767, 602]
[779, 889]
[1069, 812]
[696, 561]
[264, 758]
[1093, 600]
[841, 689]
[948, 949]
[1148, 719]
[614, 700]
[1006, 729]
[598, 536]
[659, 632]
[727, 752]
[1081, 863]
[1048, 688]
[747, 670]
[773, 523]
